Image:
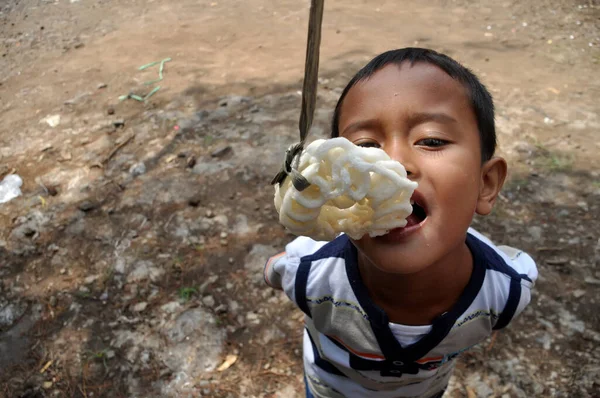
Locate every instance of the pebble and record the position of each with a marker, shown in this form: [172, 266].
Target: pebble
[221, 151]
[209, 213]
[139, 307]
[251, 316]
[592, 281]
[578, 293]
[102, 85]
[208, 301]
[535, 232]
[53, 301]
[191, 162]
[224, 235]
[87, 205]
[221, 309]
[110, 111]
[47, 385]
[137, 169]
[119, 123]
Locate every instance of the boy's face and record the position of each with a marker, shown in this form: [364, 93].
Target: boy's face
[423, 118]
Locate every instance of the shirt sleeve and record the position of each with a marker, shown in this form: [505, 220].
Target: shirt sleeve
[280, 270]
[520, 290]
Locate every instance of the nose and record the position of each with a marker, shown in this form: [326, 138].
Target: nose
[401, 152]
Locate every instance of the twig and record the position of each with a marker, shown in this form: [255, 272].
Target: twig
[117, 149]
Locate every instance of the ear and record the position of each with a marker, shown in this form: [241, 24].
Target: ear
[493, 174]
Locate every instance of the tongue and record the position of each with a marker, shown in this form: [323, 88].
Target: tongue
[412, 220]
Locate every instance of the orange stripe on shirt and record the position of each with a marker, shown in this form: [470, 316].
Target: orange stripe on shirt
[360, 354]
[268, 266]
[433, 359]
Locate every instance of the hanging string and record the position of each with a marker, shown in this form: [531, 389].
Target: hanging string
[309, 99]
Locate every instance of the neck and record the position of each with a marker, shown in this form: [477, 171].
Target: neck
[417, 299]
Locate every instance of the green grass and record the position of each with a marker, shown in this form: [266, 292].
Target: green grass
[185, 293]
[98, 355]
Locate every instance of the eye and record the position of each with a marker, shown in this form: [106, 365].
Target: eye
[432, 142]
[367, 144]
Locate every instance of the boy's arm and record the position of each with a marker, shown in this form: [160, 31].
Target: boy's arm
[280, 270]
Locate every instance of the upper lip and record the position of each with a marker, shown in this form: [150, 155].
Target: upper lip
[418, 198]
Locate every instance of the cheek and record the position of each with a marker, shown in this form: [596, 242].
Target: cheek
[457, 190]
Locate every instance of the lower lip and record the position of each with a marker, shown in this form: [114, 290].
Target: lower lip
[399, 234]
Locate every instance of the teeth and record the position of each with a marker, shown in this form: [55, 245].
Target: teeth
[412, 202]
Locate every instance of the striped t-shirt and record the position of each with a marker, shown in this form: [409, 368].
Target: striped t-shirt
[350, 347]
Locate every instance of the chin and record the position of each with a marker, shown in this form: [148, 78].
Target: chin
[401, 264]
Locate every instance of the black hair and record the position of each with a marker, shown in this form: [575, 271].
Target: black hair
[481, 100]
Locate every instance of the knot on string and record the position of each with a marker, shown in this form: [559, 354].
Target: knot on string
[290, 164]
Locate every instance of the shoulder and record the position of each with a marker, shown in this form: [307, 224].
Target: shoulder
[510, 275]
[504, 260]
[301, 255]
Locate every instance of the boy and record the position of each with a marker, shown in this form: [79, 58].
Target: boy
[387, 316]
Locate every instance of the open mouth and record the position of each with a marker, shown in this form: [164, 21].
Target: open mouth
[419, 213]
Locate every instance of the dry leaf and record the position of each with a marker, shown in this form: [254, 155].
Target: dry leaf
[471, 393]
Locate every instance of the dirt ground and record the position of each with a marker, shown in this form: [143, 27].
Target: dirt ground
[131, 264]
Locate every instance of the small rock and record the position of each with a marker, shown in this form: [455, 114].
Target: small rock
[137, 169]
[102, 85]
[233, 307]
[191, 162]
[145, 270]
[221, 151]
[110, 111]
[209, 213]
[224, 235]
[10, 313]
[110, 354]
[47, 385]
[87, 205]
[52, 120]
[578, 293]
[171, 307]
[63, 271]
[208, 301]
[119, 123]
[91, 279]
[139, 307]
[53, 301]
[535, 232]
[251, 316]
[221, 309]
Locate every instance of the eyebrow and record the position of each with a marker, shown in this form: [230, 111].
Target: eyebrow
[369, 124]
[423, 117]
[413, 120]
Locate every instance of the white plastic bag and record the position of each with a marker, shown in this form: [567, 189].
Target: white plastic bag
[10, 188]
